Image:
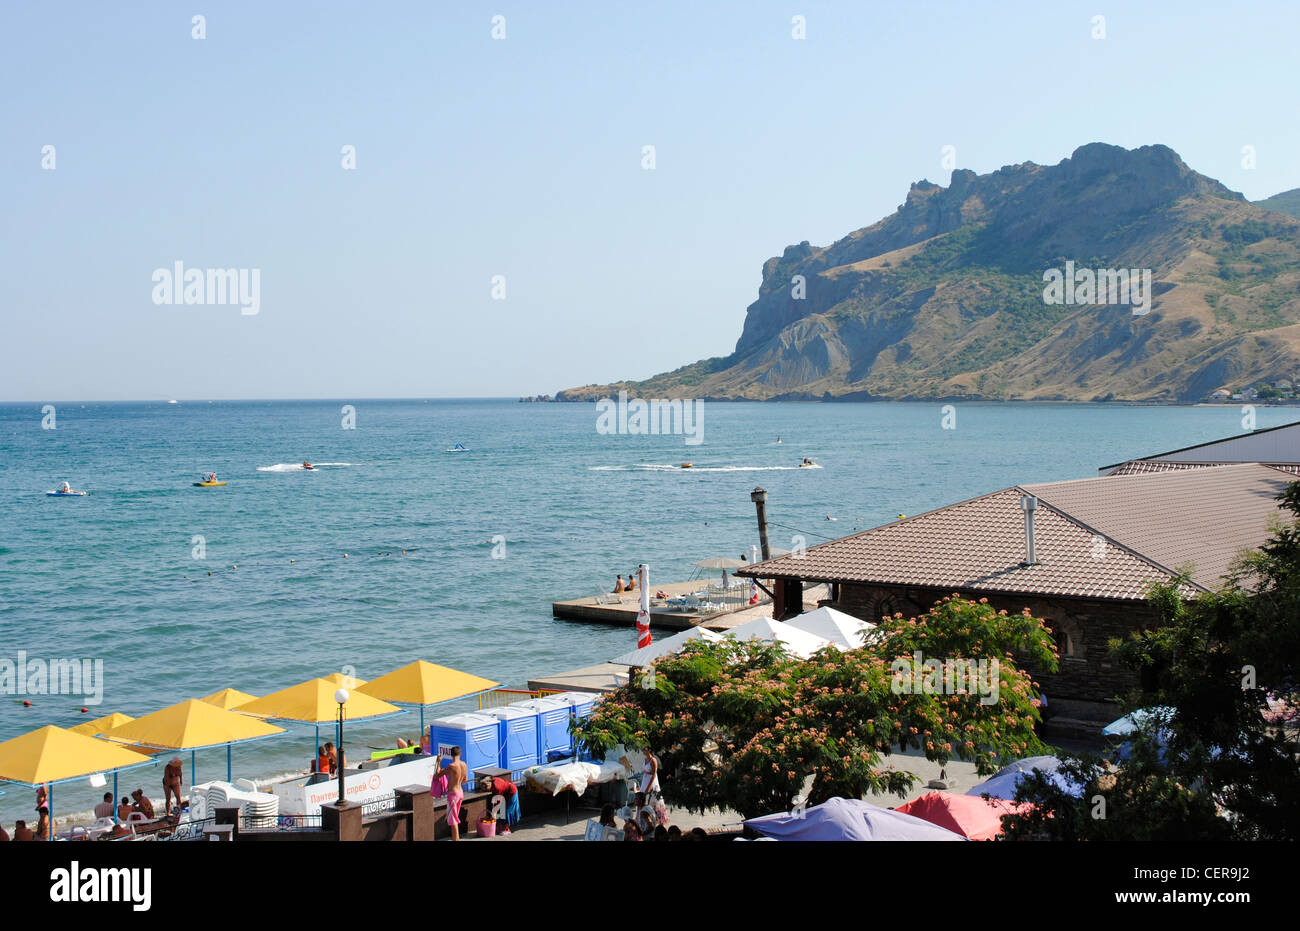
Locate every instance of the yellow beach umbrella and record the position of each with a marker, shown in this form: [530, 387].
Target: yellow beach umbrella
[312, 702]
[99, 725]
[348, 682]
[228, 699]
[51, 754]
[423, 683]
[192, 725]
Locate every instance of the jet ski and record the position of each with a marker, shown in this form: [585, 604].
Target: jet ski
[66, 492]
[807, 464]
[309, 467]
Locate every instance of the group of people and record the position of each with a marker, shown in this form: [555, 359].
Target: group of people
[121, 813]
[628, 586]
[328, 760]
[450, 781]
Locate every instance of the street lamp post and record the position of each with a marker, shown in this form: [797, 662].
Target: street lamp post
[341, 696]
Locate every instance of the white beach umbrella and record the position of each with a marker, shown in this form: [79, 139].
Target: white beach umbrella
[798, 642]
[646, 655]
[843, 630]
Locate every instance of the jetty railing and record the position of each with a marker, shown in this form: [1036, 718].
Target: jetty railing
[498, 697]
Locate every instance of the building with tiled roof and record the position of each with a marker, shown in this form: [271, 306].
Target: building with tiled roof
[1098, 545]
[1278, 446]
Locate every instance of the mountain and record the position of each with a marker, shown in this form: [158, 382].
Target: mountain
[947, 297]
[1287, 202]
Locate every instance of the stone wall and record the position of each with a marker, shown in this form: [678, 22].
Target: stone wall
[1088, 672]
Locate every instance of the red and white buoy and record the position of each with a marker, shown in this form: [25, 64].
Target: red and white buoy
[643, 615]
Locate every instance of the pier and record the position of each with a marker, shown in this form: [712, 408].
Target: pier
[666, 614]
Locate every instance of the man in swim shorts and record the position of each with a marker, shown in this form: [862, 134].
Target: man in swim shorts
[457, 774]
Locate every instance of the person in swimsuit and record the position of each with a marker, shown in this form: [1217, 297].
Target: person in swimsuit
[457, 775]
[619, 586]
[173, 776]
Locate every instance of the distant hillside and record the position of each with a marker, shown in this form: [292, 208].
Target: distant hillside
[1287, 202]
[945, 297]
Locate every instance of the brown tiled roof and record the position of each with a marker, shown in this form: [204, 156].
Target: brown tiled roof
[1095, 538]
[1138, 466]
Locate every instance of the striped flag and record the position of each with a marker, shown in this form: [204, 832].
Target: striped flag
[643, 616]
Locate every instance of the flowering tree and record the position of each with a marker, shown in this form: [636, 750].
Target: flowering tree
[744, 725]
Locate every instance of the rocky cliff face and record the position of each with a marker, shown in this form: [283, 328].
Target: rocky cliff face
[945, 297]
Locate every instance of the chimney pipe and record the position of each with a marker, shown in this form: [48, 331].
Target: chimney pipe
[1029, 504]
[759, 497]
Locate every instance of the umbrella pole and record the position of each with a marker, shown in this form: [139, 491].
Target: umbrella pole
[49, 805]
[228, 763]
[192, 755]
[115, 797]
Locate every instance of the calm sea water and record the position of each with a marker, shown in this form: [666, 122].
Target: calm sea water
[113, 576]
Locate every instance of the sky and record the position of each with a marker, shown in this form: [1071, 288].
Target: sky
[519, 163]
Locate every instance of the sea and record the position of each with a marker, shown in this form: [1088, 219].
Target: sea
[395, 548]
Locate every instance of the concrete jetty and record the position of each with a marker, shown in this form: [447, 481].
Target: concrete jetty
[621, 610]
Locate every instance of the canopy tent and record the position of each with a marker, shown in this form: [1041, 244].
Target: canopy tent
[1004, 782]
[101, 724]
[1137, 720]
[50, 755]
[192, 725]
[228, 699]
[423, 683]
[848, 819]
[843, 630]
[797, 642]
[646, 655]
[312, 702]
[970, 816]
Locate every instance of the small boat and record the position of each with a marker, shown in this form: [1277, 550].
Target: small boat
[687, 465]
[309, 467]
[807, 464]
[67, 494]
[207, 484]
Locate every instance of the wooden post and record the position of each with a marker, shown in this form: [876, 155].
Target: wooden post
[759, 497]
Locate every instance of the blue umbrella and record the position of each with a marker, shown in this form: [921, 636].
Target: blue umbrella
[1004, 782]
[840, 819]
[1137, 720]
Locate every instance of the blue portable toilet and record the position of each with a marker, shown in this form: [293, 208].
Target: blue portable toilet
[580, 702]
[518, 736]
[553, 738]
[580, 706]
[477, 735]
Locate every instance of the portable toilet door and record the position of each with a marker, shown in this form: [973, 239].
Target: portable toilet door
[553, 738]
[518, 736]
[477, 735]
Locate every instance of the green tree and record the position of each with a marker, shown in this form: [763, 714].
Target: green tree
[1224, 763]
[745, 725]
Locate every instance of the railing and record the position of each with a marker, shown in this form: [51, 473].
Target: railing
[498, 697]
[252, 824]
[379, 806]
[188, 830]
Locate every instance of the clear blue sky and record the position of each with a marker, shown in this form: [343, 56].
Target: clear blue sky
[522, 157]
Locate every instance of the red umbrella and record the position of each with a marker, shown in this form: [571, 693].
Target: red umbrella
[968, 815]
